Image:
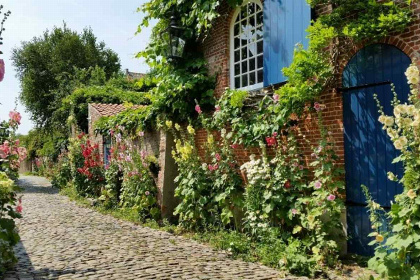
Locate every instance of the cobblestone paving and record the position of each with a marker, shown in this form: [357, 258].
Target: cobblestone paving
[61, 240]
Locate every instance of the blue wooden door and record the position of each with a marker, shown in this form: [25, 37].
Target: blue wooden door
[368, 150]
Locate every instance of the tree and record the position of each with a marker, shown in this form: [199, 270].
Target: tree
[50, 67]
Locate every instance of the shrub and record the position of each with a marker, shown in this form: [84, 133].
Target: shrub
[61, 173]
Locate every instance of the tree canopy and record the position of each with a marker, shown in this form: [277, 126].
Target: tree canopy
[52, 65]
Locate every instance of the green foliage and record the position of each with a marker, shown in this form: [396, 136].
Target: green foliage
[178, 88]
[61, 172]
[9, 236]
[48, 65]
[76, 104]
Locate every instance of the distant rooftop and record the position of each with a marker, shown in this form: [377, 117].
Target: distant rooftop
[133, 75]
[107, 110]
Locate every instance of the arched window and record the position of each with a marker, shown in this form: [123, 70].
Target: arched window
[246, 48]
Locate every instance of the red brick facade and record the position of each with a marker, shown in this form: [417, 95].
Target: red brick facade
[217, 52]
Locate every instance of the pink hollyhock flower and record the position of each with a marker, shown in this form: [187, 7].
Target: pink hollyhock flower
[318, 107]
[218, 157]
[2, 70]
[5, 150]
[275, 134]
[300, 167]
[15, 117]
[213, 167]
[147, 193]
[198, 109]
[141, 133]
[276, 98]
[217, 108]
[331, 197]
[17, 142]
[294, 211]
[318, 185]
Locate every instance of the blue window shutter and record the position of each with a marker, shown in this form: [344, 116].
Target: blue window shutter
[285, 24]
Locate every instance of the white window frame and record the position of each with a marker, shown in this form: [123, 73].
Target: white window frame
[232, 50]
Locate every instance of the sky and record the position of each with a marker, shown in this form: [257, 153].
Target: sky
[112, 21]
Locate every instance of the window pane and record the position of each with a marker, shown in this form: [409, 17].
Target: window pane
[237, 55]
[252, 50]
[252, 21]
[244, 66]
[244, 53]
[260, 33]
[260, 62]
[251, 8]
[244, 12]
[245, 80]
[260, 76]
[252, 64]
[236, 30]
[236, 43]
[244, 42]
[237, 82]
[237, 69]
[260, 18]
[252, 78]
[260, 47]
[258, 8]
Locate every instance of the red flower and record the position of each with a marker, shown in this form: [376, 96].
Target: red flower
[19, 208]
[271, 141]
[218, 157]
[287, 185]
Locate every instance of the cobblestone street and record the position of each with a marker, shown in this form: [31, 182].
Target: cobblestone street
[61, 240]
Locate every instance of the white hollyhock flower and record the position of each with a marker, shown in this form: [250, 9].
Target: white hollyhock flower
[413, 75]
[389, 121]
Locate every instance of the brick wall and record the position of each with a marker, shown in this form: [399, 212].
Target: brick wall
[216, 51]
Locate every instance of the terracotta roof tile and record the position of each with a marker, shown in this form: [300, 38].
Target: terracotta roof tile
[107, 110]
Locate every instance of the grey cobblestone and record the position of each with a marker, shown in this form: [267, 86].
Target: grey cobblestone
[61, 240]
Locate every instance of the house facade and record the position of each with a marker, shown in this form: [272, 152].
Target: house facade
[247, 48]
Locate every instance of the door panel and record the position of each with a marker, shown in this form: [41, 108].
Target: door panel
[368, 150]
